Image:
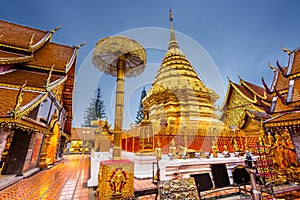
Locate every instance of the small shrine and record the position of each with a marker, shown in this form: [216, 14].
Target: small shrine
[282, 130]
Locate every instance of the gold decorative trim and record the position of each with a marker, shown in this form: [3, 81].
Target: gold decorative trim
[56, 83]
[15, 60]
[32, 106]
[6, 85]
[44, 68]
[71, 61]
[254, 92]
[282, 124]
[23, 123]
[242, 94]
[19, 99]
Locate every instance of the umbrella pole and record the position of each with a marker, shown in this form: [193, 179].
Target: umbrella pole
[119, 108]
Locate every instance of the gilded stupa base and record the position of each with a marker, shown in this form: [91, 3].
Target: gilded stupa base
[116, 180]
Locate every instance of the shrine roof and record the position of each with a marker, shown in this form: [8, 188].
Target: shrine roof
[259, 91]
[296, 62]
[244, 91]
[280, 107]
[288, 118]
[8, 99]
[22, 37]
[35, 80]
[250, 92]
[295, 91]
[281, 83]
[10, 57]
[60, 56]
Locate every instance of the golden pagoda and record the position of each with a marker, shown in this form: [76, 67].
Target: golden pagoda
[178, 103]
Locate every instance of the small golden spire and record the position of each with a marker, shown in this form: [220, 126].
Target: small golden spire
[173, 42]
[171, 16]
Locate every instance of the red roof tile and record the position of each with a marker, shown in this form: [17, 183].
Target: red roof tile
[52, 54]
[34, 79]
[296, 63]
[282, 83]
[296, 91]
[261, 92]
[19, 36]
[8, 99]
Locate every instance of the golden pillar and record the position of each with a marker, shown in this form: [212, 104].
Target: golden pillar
[119, 108]
[120, 57]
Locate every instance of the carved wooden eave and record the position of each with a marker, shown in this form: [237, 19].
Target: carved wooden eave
[56, 83]
[40, 43]
[25, 110]
[73, 58]
[23, 123]
[32, 47]
[288, 119]
[264, 96]
[16, 59]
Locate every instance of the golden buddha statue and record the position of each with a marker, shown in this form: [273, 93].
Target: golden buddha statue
[225, 152]
[172, 149]
[215, 150]
[158, 154]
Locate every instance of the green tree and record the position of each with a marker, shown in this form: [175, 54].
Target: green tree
[89, 114]
[99, 105]
[140, 115]
[95, 110]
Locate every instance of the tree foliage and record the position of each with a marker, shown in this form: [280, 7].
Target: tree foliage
[95, 110]
[140, 115]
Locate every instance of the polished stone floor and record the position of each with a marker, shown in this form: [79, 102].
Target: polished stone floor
[67, 181]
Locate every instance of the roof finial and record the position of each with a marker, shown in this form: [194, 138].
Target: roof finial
[173, 42]
[171, 16]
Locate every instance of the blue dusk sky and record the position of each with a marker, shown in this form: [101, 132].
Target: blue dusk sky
[221, 38]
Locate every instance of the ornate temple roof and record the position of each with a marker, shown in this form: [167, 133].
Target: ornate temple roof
[244, 100]
[23, 38]
[255, 94]
[8, 99]
[285, 86]
[11, 58]
[35, 80]
[59, 56]
[286, 92]
[27, 54]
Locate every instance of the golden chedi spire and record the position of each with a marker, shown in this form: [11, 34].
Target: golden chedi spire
[178, 96]
[173, 42]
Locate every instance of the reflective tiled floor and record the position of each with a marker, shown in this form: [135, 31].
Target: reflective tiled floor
[63, 181]
[67, 181]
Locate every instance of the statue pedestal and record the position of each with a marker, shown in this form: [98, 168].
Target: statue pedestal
[116, 180]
